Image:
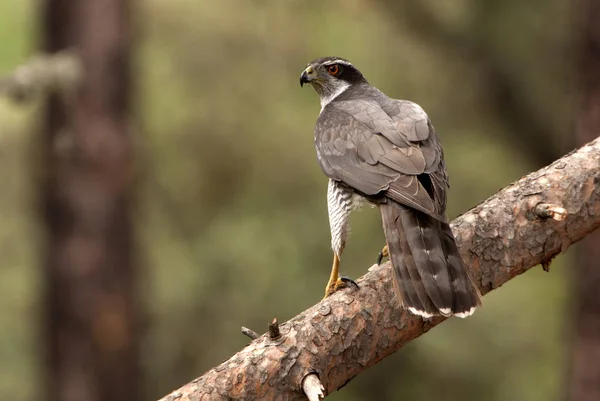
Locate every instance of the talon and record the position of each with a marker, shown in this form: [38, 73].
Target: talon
[341, 283]
[344, 281]
[383, 254]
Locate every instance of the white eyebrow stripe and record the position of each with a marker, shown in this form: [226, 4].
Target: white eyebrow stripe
[338, 61]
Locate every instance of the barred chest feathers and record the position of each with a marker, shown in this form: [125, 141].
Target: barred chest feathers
[340, 203]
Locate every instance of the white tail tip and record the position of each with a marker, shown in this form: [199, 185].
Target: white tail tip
[443, 312]
[463, 315]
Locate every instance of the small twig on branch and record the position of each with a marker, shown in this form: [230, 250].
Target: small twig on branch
[312, 387]
[250, 333]
[349, 331]
[549, 211]
[41, 73]
[546, 264]
[274, 333]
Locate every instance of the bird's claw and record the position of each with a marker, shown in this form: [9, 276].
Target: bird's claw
[341, 283]
[383, 254]
[344, 282]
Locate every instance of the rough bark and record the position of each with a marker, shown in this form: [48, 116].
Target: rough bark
[89, 302]
[585, 357]
[354, 329]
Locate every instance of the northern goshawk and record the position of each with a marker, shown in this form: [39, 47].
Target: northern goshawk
[386, 152]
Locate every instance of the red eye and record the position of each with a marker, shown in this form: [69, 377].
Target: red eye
[333, 69]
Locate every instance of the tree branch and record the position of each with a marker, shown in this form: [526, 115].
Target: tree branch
[340, 337]
[61, 70]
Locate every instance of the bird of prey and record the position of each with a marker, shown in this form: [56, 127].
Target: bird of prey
[386, 152]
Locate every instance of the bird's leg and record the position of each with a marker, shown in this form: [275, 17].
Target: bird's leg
[333, 277]
[335, 281]
[383, 254]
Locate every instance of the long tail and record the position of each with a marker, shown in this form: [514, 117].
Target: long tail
[430, 277]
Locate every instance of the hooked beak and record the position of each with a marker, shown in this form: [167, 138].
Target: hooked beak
[306, 76]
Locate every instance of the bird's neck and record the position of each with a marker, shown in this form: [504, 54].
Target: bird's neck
[327, 97]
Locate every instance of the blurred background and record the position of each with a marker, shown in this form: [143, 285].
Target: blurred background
[230, 214]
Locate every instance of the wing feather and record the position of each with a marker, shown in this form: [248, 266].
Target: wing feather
[380, 147]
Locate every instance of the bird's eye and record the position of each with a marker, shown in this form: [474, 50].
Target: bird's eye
[333, 69]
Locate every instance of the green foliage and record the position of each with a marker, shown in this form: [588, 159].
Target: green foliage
[232, 220]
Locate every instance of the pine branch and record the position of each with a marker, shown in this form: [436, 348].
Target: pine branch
[41, 73]
[524, 225]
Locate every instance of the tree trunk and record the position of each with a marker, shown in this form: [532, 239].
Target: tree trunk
[89, 303]
[585, 359]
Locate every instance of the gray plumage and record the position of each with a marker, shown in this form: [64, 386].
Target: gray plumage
[386, 151]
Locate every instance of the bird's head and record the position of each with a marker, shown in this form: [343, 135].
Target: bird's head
[330, 76]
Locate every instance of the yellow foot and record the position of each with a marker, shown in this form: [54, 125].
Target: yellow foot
[335, 281]
[383, 254]
[341, 282]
